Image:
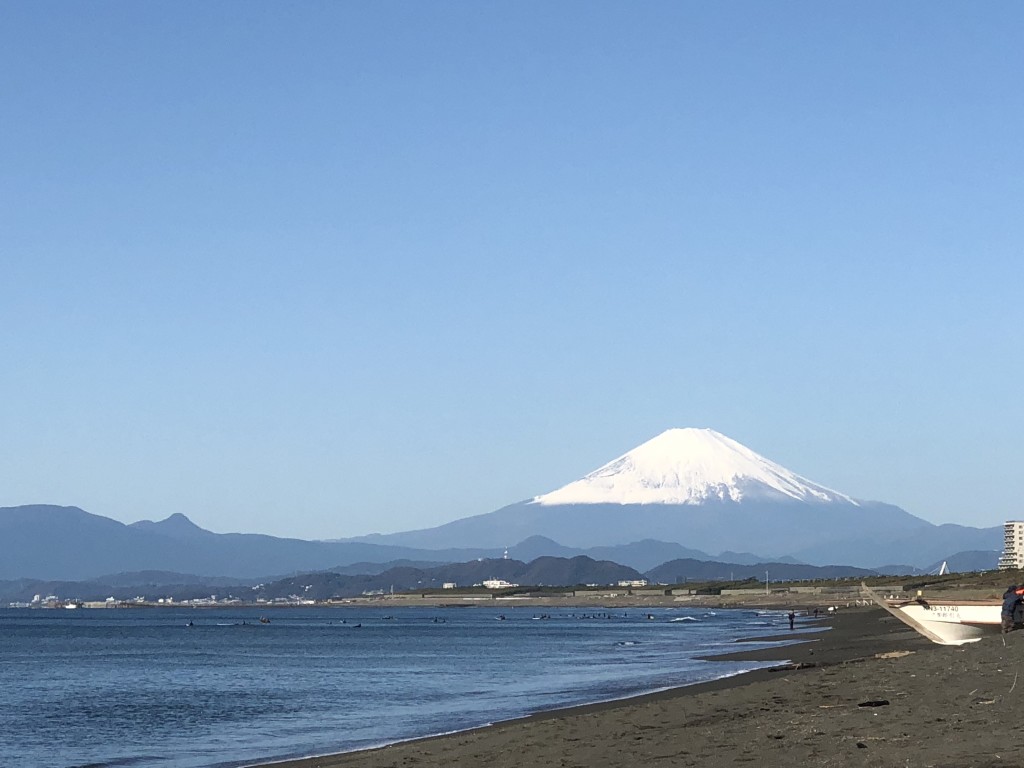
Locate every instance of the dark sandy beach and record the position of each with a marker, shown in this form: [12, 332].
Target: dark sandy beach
[869, 692]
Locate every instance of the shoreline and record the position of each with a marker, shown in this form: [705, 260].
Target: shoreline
[844, 638]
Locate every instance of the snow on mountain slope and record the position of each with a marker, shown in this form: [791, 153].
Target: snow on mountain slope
[689, 466]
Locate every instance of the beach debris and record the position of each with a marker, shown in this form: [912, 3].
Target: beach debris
[893, 654]
[861, 745]
[874, 703]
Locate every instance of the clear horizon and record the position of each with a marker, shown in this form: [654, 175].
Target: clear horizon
[323, 270]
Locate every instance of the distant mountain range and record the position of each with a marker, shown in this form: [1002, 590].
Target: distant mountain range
[70, 544]
[708, 493]
[686, 494]
[51, 542]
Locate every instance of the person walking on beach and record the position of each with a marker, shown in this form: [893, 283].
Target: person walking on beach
[792, 618]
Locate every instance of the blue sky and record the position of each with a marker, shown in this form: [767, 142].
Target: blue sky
[323, 269]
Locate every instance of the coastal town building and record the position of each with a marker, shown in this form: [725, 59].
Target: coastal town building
[1013, 546]
[497, 584]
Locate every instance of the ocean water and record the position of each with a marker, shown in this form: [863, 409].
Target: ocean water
[140, 688]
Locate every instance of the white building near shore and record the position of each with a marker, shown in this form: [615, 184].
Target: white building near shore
[498, 584]
[1013, 546]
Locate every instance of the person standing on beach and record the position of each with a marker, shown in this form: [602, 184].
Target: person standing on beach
[792, 618]
[1012, 599]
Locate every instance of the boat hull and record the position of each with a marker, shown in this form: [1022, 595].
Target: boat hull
[953, 623]
[946, 622]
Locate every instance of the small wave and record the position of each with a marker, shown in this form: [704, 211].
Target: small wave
[684, 618]
[628, 642]
[121, 761]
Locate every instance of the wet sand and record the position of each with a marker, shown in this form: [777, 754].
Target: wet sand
[869, 692]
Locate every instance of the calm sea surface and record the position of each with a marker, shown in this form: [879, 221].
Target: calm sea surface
[140, 688]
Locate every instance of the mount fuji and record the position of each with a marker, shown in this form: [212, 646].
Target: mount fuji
[691, 467]
[703, 490]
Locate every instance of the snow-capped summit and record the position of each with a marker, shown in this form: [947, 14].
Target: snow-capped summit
[689, 466]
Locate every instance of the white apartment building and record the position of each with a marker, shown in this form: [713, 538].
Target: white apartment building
[1013, 546]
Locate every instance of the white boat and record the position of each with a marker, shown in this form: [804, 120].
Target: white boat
[946, 621]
